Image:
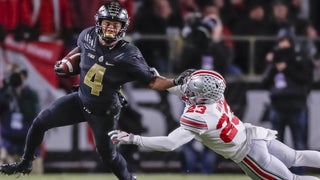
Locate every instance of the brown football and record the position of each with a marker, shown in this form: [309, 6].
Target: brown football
[68, 66]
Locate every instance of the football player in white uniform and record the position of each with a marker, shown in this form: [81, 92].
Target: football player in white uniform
[208, 118]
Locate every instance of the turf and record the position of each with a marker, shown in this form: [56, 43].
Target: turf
[152, 176]
[163, 176]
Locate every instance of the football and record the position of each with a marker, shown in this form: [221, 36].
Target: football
[68, 66]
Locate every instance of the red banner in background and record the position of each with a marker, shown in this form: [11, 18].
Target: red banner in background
[42, 55]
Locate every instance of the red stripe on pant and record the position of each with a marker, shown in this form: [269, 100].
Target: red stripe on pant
[257, 170]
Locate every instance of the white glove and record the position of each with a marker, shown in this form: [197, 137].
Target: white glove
[121, 137]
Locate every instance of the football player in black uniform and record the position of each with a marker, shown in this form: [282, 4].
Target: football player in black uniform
[107, 62]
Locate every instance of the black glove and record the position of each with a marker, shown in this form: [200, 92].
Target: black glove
[57, 68]
[180, 79]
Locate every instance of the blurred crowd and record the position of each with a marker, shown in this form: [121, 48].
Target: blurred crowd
[19, 105]
[51, 20]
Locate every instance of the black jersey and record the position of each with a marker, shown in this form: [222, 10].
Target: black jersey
[104, 69]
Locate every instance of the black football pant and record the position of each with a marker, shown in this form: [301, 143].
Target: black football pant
[69, 110]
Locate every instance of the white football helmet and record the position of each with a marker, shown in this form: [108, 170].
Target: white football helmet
[203, 87]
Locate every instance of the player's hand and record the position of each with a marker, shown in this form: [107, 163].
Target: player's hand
[58, 69]
[121, 137]
[181, 78]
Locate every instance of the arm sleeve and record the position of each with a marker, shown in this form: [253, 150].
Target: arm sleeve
[137, 66]
[175, 139]
[175, 90]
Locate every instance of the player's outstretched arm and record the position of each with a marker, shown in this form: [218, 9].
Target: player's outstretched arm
[175, 139]
[159, 82]
[163, 83]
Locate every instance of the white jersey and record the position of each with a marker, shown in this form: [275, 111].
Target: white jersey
[218, 128]
[253, 148]
[215, 126]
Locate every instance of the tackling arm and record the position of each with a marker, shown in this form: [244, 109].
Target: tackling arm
[175, 90]
[175, 139]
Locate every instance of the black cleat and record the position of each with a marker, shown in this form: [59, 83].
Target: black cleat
[24, 167]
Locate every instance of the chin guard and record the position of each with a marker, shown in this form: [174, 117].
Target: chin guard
[109, 38]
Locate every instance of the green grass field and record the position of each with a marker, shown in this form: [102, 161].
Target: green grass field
[163, 176]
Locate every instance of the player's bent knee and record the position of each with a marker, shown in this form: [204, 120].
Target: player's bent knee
[41, 121]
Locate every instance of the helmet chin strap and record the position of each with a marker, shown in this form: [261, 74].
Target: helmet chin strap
[107, 40]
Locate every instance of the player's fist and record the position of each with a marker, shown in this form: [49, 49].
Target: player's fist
[181, 78]
[59, 69]
[68, 66]
[121, 137]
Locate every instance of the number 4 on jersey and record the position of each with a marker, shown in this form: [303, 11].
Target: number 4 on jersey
[94, 79]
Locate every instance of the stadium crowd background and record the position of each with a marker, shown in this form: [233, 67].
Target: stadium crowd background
[154, 23]
[63, 20]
